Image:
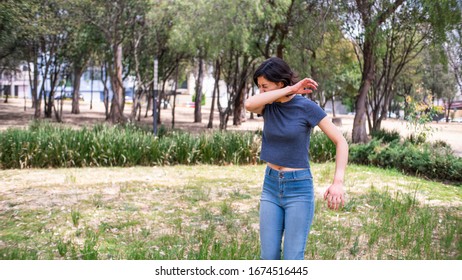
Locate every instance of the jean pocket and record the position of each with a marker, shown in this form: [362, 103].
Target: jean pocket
[307, 177]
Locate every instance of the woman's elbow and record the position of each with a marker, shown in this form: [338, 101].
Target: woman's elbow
[343, 145]
[249, 106]
[341, 142]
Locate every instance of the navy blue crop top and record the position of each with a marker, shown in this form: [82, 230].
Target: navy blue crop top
[286, 131]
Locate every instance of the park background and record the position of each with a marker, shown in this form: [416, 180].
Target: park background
[87, 175]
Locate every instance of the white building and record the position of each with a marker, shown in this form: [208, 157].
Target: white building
[15, 83]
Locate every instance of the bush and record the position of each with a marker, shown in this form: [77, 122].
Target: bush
[386, 136]
[360, 153]
[432, 161]
[203, 97]
[44, 145]
[322, 149]
[47, 145]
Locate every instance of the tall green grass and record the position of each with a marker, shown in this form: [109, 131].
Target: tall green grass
[46, 145]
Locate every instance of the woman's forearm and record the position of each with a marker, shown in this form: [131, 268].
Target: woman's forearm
[341, 147]
[341, 160]
[260, 100]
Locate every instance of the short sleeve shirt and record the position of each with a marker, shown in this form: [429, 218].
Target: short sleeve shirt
[286, 131]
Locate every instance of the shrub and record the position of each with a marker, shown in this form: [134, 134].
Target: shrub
[322, 149]
[432, 161]
[49, 145]
[44, 145]
[386, 136]
[360, 153]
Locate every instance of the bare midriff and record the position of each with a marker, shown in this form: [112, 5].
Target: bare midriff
[282, 168]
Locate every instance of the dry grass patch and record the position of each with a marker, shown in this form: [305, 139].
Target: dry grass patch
[211, 212]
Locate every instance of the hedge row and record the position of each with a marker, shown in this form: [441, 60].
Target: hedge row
[46, 145]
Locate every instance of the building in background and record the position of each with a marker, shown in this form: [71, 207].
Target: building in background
[15, 82]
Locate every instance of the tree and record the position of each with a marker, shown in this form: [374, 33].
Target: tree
[191, 35]
[409, 26]
[114, 19]
[438, 78]
[84, 41]
[367, 16]
[453, 50]
[235, 56]
[403, 40]
[13, 29]
[42, 46]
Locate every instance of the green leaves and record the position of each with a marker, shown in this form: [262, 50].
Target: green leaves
[45, 145]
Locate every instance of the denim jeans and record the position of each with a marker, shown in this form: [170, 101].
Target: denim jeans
[286, 209]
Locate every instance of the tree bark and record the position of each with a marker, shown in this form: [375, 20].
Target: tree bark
[76, 89]
[216, 92]
[105, 90]
[359, 133]
[241, 90]
[116, 114]
[198, 101]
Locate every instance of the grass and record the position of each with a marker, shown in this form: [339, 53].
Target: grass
[211, 212]
[44, 145]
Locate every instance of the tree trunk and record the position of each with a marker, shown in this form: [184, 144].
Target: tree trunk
[238, 105]
[160, 97]
[53, 82]
[116, 114]
[149, 99]
[38, 104]
[241, 91]
[105, 90]
[359, 134]
[174, 93]
[216, 91]
[76, 89]
[333, 106]
[136, 102]
[91, 85]
[198, 101]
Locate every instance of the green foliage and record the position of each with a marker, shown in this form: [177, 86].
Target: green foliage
[322, 149]
[426, 160]
[193, 99]
[386, 136]
[46, 145]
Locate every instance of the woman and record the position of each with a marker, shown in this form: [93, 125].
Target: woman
[287, 200]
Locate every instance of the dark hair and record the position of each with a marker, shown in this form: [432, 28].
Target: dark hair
[275, 70]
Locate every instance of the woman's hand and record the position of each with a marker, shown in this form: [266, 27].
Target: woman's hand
[304, 86]
[335, 196]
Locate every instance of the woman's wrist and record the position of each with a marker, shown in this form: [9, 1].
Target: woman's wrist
[338, 181]
[290, 90]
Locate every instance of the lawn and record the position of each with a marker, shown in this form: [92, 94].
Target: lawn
[211, 212]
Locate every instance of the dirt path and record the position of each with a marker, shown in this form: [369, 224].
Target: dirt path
[12, 114]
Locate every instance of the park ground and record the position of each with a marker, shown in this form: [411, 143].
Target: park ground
[186, 212]
[179, 212]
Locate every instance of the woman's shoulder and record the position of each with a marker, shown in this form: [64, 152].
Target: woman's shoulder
[309, 106]
[302, 100]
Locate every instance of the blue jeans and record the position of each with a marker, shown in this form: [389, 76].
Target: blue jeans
[286, 209]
